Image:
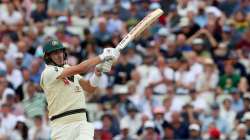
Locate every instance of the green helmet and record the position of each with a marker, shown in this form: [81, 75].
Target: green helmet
[52, 46]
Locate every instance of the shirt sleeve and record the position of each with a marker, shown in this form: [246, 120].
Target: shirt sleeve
[79, 77]
[50, 74]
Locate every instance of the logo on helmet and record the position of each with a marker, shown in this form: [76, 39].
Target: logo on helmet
[54, 43]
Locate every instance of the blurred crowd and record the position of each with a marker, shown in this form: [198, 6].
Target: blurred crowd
[186, 77]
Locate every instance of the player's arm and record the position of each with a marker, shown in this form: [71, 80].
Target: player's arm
[108, 53]
[80, 68]
[87, 85]
[91, 84]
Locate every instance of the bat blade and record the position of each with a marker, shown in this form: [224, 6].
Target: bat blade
[139, 28]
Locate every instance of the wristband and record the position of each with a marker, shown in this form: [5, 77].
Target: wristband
[94, 80]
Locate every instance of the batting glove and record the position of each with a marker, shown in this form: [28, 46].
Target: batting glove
[109, 54]
[105, 66]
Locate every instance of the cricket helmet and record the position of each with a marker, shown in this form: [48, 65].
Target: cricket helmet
[52, 46]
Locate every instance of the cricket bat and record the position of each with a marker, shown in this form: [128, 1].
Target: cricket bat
[139, 28]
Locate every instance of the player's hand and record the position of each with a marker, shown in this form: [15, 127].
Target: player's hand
[105, 66]
[109, 54]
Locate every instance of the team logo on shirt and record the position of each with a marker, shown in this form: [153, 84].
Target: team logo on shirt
[56, 69]
[77, 89]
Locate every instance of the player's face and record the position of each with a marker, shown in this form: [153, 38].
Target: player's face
[57, 57]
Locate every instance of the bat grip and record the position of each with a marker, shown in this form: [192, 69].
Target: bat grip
[128, 38]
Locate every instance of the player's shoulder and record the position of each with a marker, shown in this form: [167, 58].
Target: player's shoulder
[50, 73]
[50, 69]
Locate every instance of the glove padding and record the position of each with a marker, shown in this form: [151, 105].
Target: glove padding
[105, 66]
[109, 54]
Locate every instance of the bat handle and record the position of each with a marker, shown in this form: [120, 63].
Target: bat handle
[128, 38]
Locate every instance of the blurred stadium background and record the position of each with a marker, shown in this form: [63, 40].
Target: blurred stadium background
[186, 77]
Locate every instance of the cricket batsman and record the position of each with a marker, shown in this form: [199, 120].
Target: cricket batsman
[64, 90]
